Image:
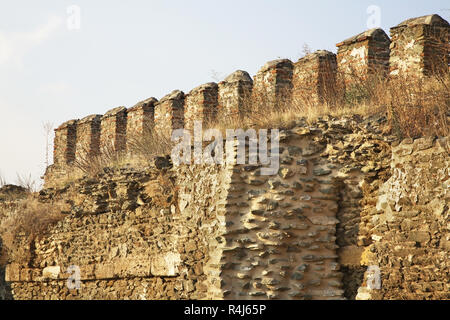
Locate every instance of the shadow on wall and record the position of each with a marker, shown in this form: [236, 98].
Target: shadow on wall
[5, 288]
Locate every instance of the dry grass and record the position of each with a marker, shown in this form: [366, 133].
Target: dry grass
[151, 144]
[21, 225]
[92, 164]
[414, 107]
[141, 151]
[2, 181]
[27, 182]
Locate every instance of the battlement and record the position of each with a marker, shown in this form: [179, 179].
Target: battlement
[418, 46]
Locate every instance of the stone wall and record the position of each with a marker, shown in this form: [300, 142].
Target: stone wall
[140, 119]
[234, 98]
[363, 55]
[420, 46]
[346, 202]
[88, 137]
[272, 86]
[65, 142]
[169, 113]
[314, 78]
[129, 238]
[409, 226]
[337, 207]
[201, 105]
[113, 130]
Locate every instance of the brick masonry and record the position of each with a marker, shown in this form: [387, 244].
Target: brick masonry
[363, 55]
[314, 78]
[420, 46]
[65, 142]
[235, 95]
[140, 119]
[346, 198]
[169, 112]
[229, 233]
[272, 85]
[201, 104]
[88, 137]
[113, 130]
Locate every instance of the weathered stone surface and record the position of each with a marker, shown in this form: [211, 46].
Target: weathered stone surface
[234, 97]
[169, 112]
[88, 137]
[140, 120]
[420, 47]
[201, 104]
[272, 86]
[363, 55]
[113, 130]
[64, 143]
[314, 78]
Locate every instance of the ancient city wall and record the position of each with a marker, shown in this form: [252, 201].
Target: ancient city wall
[408, 227]
[129, 238]
[419, 46]
[346, 203]
[345, 200]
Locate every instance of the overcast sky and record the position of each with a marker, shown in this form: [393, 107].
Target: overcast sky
[57, 65]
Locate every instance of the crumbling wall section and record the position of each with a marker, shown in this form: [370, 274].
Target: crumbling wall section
[409, 227]
[130, 239]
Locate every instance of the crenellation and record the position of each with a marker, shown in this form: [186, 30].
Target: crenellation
[169, 112]
[201, 104]
[420, 46]
[272, 85]
[348, 197]
[314, 78]
[364, 55]
[140, 119]
[113, 130]
[235, 95]
[65, 143]
[88, 137]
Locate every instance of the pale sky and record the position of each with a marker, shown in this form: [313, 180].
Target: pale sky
[126, 51]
